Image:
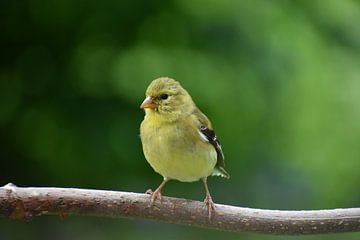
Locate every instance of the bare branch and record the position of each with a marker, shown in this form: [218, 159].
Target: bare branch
[25, 203]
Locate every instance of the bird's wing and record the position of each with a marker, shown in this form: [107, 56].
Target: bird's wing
[208, 134]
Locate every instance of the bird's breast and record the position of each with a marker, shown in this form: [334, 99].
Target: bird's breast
[176, 151]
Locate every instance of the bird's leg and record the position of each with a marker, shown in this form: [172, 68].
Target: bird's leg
[208, 199]
[157, 192]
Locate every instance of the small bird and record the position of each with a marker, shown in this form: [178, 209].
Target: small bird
[177, 138]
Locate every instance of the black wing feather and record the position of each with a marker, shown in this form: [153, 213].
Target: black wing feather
[213, 140]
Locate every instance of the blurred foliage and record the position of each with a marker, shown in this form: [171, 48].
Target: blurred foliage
[280, 81]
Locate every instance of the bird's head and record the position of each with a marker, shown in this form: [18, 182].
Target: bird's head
[167, 98]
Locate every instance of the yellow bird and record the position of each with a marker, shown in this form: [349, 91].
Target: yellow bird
[177, 138]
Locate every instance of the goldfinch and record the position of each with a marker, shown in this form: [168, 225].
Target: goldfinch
[177, 138]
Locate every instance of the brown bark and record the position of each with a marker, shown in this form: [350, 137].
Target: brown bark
[25, 203]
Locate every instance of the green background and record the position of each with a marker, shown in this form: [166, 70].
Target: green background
[280, 81]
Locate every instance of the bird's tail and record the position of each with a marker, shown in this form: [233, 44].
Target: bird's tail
[220, 171]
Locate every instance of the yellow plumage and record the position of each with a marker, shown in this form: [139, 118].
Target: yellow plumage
[178, 140]
[176, 151]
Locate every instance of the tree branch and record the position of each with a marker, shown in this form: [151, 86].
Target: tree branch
[25, 203]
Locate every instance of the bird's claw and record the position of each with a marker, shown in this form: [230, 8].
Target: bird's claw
[154, 195]
[149, 191]
[210, 205]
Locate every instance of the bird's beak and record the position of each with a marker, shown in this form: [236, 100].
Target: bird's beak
[148, 103]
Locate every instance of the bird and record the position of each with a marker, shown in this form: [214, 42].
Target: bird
[178, 140]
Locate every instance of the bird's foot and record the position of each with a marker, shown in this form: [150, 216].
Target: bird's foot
[149, 191]
[154, 195]
[209, 204]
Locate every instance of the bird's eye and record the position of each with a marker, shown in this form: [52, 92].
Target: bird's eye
[164, 96]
